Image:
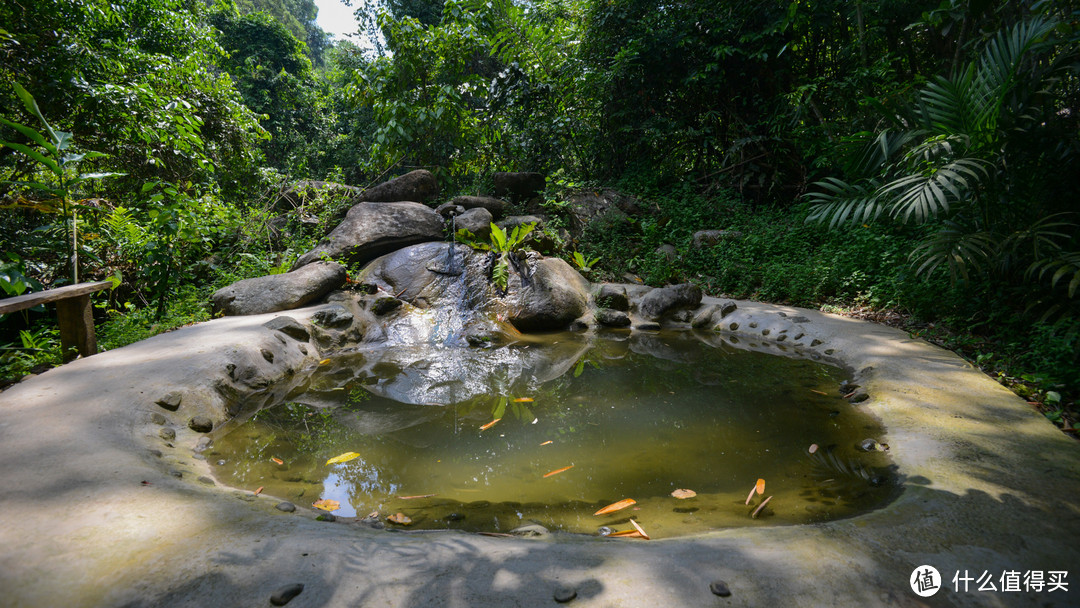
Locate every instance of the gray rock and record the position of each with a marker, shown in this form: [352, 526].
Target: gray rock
[513, 221]
[477, 221]
[201, 424]
[279, 291]
[496, 207]
[290, 327]
[613, 297]
[667, 252]
[385, 304]
[285, 594]
[335, 316]
[326, 517]
[287, 507]
[612, 318]
[704, 318]
[551, 298]
[648, 326]
[203, 444]
[720, 588]
[419, 186]
[206, 480]
[663, 300]
[170, 401]
[710, 238]
[518, 186]
[158, 418]
[167, 434]
[374, 229]
[449, 210]
[564, 595]
[530, 530]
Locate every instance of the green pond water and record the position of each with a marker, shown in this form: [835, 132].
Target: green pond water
[635, 417]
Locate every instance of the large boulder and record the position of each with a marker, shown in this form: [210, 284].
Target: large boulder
[497, 207]
[477, 221]
[549, 296]
[664, 300]
[279, 291]
[373, 229]
[519, 186]
[418, 186]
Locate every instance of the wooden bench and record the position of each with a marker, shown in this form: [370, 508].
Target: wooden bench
[73, 311]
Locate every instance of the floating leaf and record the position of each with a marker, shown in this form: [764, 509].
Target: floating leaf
[399, 518]
[760, 487]
[523, 400]
[757, 510]
[616, 506]
[548, 442]
[417, 496]
[258, 490]
[639, 529]
[277, 461]
[813, 448]
[346, 457]
[326, 504]
[557, 471]
[490, 424]
[684, 494]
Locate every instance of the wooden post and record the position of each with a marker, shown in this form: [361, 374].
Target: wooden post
[76, 327]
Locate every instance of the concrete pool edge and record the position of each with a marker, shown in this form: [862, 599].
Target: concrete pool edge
[988, 483]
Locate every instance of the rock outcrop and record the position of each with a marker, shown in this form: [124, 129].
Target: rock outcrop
[373, 229]
[277, 292]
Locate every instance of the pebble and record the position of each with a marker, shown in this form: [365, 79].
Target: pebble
[201, 424]
[603, 531]
[285, 594]
[720, 588]
[170, 401]
[206, 480]
[326, 517]
[287, 507]
[157, 418]
[167, 434]
[176, 473]
[564, 595]
[733, 326]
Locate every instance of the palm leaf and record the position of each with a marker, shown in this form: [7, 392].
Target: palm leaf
[838, 202]
[962, 251]
[924, 196]
[1064, 266]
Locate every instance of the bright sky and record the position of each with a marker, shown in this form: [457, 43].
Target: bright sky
[336, 18]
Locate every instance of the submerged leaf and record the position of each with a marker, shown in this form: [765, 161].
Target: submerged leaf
[616, 506]
[326, 504]
[523, 400]
[627, 534]
[640, 529]
[346, 457]
[399, 518]
[277, 461]
[760, 487]
[757, 510]
[557, 471]
[684, 494]
[490, 424]
[548, 442]
[417, 496]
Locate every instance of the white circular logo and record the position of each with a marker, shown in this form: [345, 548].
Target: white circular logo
[925, 581]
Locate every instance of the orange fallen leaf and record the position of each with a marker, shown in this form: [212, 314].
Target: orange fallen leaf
[684, 494]
[627, 534]
[324, 362]
[758, 509]
[277, 461]
[760, 487]
[417, 496]
[557, 471]
[326, 504]
[819, 392]
[523, 400]
[616, 506]
[548, 442]
[258, 490]
[399, 518]
[639, 529]
[490, 424]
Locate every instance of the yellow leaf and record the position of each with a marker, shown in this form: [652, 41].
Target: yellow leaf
[326, 504]
[617, 506]
[523, 400]
[346, 457]
[324, 362]
[399, 518]
[760, 487]
[684, 494]
[490, 424]
[557, 471]
[548, 442]
[277, 461]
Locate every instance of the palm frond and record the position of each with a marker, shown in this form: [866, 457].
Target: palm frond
[925, 195]
[838, 202]
[1065, 266]
[963, 251]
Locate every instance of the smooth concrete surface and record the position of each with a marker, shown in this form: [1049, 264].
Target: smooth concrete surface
[92, 514]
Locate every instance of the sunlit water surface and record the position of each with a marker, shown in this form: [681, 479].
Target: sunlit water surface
[634, 417]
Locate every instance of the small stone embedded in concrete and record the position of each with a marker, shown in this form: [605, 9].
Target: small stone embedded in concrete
[285, 594]
[800, 320]
[287, 507]
[206, 480]
[728, 307]
[170, 401]
[720, 588]
[157, 418]
[781, 337]
[203, 444]
[829, 351]
[753, 325]
[564, 595]
[733, 326]
[267, 354]
[175, 473]
[766, 332]
[201, 424]
[815, 342]
[167, 434]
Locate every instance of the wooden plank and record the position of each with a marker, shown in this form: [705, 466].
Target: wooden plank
[30, 300]
[76, 318]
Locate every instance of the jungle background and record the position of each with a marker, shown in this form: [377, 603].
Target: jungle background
[912, 162]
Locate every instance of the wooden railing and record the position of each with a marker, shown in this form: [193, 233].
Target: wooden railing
[72, 310]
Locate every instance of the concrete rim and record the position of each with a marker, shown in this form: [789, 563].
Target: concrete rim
[989, 486]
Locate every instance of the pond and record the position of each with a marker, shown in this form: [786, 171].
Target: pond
[551, 430]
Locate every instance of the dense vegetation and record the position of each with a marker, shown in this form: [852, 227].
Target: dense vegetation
[915, 161]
